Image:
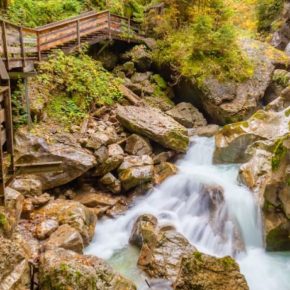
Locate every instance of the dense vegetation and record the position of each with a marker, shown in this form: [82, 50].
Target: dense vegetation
[68, 87]
[268, 13]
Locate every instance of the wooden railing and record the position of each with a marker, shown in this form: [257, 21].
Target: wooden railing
[20, 46]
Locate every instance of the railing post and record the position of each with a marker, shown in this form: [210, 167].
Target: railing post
[22, 47]
[109, 25]
[5, 45]
[78, 34]
[38, 45]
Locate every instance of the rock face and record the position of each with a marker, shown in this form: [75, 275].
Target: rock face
[228, 101]
[263, 143]
[76, 161]
[155, 125]
[72, 213]
[63, 269]
[14, 268]
[187, 115]
[166, 254]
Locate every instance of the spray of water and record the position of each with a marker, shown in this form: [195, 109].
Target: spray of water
[206, 204]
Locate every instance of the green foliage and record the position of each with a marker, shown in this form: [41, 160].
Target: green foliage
[76, 83]
[18, 105]
[35, 13]
[268, 11]
[207, 45]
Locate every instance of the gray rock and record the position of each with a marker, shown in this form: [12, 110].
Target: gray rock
[154, 124]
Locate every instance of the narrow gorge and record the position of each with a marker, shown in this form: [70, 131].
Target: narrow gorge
[150, 145]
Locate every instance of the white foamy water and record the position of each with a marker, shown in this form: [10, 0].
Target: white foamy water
[181, 201]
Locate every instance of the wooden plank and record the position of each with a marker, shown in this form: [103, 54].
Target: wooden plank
[3, 137]
[2, 116]
[3, 72]
[28, 168]
[5, 46]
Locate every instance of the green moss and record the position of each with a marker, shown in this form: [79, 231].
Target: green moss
[197, 255]
[287, 112]
[279, 153]
[228, 262]
[268, 11]
[3, 219]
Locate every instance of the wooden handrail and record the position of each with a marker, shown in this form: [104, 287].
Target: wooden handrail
[21, 45]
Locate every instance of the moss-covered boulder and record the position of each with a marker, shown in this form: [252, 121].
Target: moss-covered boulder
[227, 101]
[155, 125]
[65, 270]
[204, 272]
[167, 254]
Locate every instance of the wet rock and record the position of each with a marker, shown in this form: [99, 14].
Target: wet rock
[205, 131]
[14, 268]
[13, 207]
[163, 259]
[136, 170]
[115, 158]
[164, 157]
[45, 228]
[160, 102]
[93, 199]
[144, 231]
[75, 160]
[187, 115]
[67, 270]
[28, 186]
[137, 145]
[233, 140]
[110, 182]
[164, 170]
[72, 213]
[65, 237]
[101, 154]
[154, 124]
[200, 271]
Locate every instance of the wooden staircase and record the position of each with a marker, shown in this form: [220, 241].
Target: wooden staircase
[21, 48]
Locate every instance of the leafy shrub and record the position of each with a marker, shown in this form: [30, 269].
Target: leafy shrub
[268, 11]
[35, 13]
[205, 45]
[76, 83]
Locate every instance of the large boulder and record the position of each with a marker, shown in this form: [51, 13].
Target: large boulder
[233, 140]
[204, 272]
[187, 115]
[64, 269]
[75, 160]
[72, 213]
[165, 254]
[228, 101]
[14, 267]
[154, 124]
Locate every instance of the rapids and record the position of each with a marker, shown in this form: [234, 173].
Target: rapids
[179, 201]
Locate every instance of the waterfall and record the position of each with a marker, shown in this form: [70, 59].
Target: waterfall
[206, 203]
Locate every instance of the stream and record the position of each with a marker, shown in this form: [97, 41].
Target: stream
[179, 201]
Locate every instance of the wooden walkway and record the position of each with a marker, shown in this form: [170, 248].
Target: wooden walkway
[21, 48]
